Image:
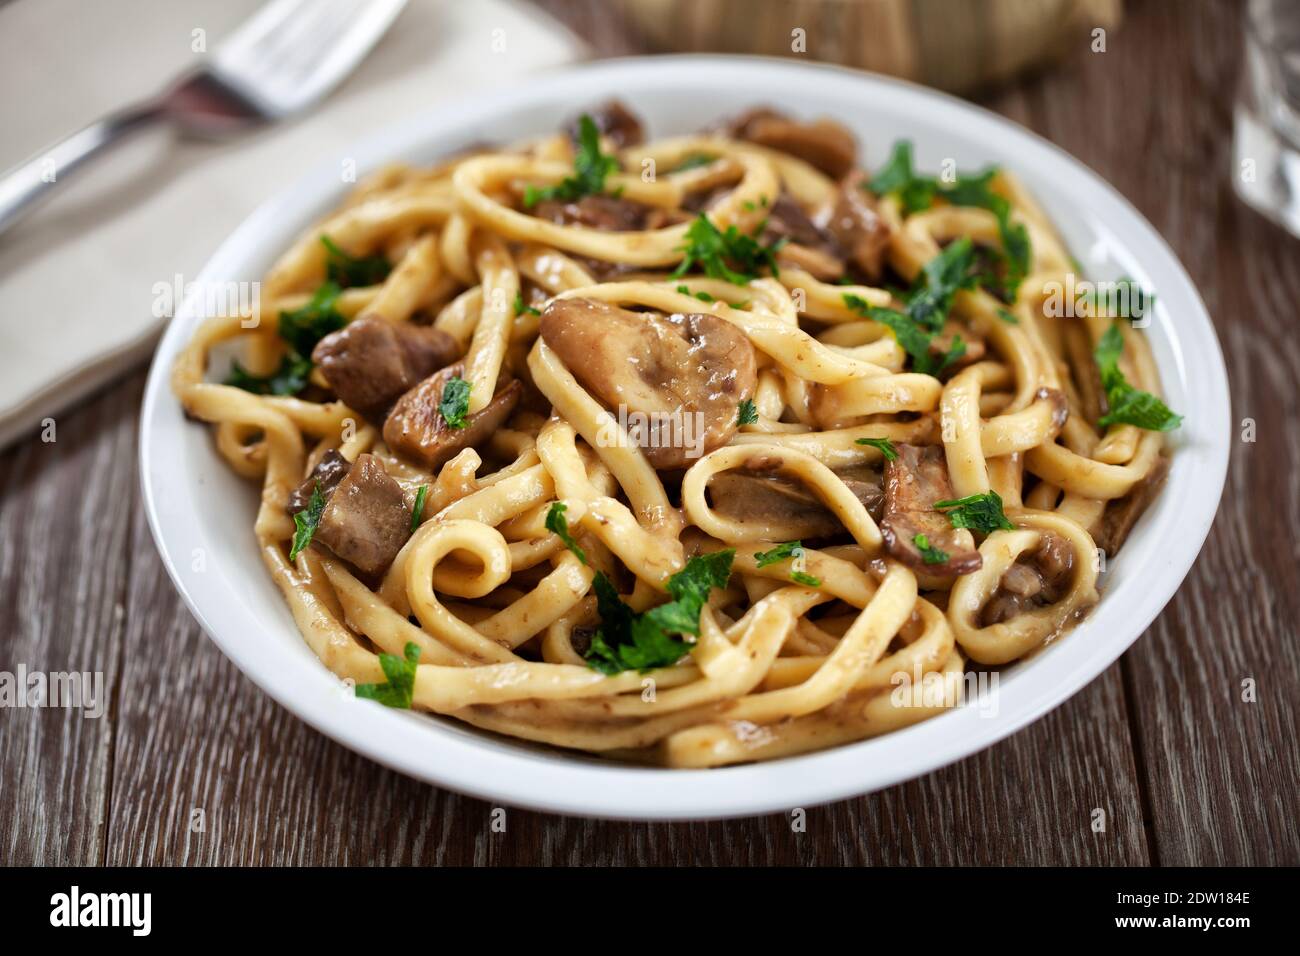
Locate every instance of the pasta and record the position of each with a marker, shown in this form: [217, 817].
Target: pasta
[690, 452]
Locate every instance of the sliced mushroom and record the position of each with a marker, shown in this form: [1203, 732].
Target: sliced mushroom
[366, 520]
[416, 429]
[858, 227]
[823, 143]
[1122, 514]
[683, 375]
[329, 471]
[1036, 579]
[914, 481]
[762, 496]
[606, 213]
[615, 120]
[808, 246]
[371, 361]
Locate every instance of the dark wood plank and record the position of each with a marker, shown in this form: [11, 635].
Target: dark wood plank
[65, 514]
[1213, 763]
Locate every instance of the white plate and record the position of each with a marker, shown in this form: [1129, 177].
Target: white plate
[195, 502]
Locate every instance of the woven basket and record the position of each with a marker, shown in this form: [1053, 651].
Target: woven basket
[956, 45]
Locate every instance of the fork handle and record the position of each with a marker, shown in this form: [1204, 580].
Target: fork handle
[24, 185]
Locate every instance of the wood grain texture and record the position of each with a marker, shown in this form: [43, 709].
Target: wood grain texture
[193, 764]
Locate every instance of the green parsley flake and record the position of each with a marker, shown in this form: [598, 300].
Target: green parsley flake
[345, 270]
[916, 192]
[928, 554]
[628, 640]
[399, 691]
[306, 521]
[702, 296]
[520, 308]
[289, 379]
[558, 525]
[454, 405]
[746, 412]
[729, 255]
[1128, 405]
[418, 510]
[590, 167]
[785, 551]
[882, 445]
[982, 513]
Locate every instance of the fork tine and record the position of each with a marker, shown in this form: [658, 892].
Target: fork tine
[293, 52]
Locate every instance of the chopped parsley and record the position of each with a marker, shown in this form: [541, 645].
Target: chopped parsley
[929, 554]
[882, 445]
[917, 192]
[399, 691]
[628, 640]
[558, 525]
[304, 327]
[730, 255]
[346, 270]
[746, 412]
[898, 178]
[306, 521]
[289, 379]
[418, 510]
[1007, 317]
[982, 513]
[301, 328]
[702, 296]
[694, 161]
[1131, 301]
[784, 552]
[1128, 405]
[521, 308]
[590, 167]
[454, 405]
[927, 307]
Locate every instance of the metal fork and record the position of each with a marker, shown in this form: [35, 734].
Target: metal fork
[287, 57]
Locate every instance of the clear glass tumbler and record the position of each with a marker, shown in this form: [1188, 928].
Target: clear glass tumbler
[1266, 139]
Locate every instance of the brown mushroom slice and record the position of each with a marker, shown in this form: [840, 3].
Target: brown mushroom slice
[416, 429]
[914, 481]
[329, 471]
[1036, 579]
[858, 227]
[606, 213]
[822, 143]
[371, 361]
[614, 120]
[683, 376]
[1123, 513]
[785, 507]
[366, 520]
[808, 247]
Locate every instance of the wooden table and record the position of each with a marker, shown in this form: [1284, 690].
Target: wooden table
[1185, 770]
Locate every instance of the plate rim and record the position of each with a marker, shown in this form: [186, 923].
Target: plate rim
[619, 791]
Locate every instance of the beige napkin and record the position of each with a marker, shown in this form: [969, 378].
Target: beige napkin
[81, 279]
